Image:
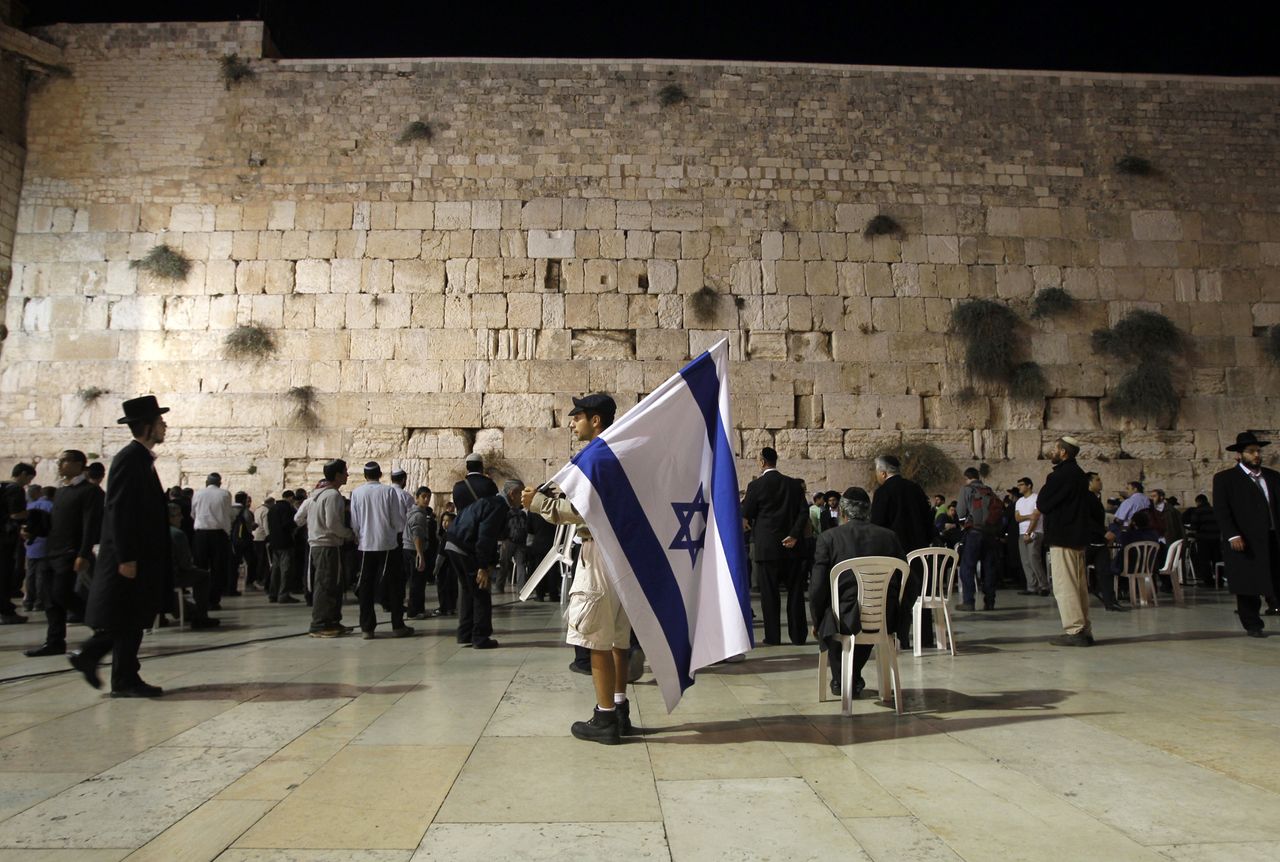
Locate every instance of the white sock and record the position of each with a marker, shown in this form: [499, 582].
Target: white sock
[602, 709]
[619, 698]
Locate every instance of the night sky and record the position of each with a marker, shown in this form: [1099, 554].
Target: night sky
[1123, 37]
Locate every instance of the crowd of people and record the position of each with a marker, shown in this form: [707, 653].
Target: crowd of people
[129, 558]
[1004, 539]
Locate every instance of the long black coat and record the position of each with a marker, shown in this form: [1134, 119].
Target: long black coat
[135, 528]
[901, 506]
[853, 539]
[776, 508]
[1242, 511]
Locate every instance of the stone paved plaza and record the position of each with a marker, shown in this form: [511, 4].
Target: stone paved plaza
[1160, 743]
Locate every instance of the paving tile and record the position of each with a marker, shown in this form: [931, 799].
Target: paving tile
[740, 820]
[899, 839]
[130, 804]
[202, 834]
[543, 842]
[1258, 851]
[21, 790]
[555, 780]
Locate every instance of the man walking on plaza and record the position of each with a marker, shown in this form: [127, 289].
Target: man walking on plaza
[471, 546]
[325, 515]
[1064, 505]
[75, 527]
[1030, 539]
[133, 558]
[211, 547]
[377, 516]
[280, 530]
[595, 616]
[775, 511]
[1246, 499]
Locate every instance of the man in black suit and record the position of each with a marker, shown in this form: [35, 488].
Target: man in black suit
[855, 538]
[1246, 500]
[133, 568]
[900, 505]
[775, 511]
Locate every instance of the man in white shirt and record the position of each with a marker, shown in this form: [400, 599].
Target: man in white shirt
[263, 565]
[378, 516]
[1030, 540]
[211, 547]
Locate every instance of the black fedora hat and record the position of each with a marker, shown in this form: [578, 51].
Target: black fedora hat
[142, 409]
[1247, 438]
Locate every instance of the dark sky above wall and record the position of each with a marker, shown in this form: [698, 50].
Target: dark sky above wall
[1222, 39]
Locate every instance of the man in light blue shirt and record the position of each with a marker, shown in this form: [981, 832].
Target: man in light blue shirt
[1134, 502]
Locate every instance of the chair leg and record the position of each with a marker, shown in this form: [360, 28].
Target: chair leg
[892, 660]
[916, 640]
[946, 621]
[1150, 581]
[1177, 590]
[823, 688]
[846, 677]
[182, 595]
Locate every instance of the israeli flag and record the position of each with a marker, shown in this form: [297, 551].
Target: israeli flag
[659, 492]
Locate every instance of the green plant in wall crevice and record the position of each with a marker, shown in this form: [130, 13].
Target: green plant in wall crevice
[1147, 344]
[1050, 302]
[164, 262]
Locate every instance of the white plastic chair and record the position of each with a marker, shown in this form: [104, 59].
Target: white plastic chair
[935, 590]
[1138, 564]
[1173, 567]
[874, 576]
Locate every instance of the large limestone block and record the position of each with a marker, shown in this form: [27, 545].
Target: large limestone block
[543, 213]
[551, 243]
[635, 215]
[677, 215]
[394, 244]
[517, 410]
[898, 412]
[604, 344]
[851, 411]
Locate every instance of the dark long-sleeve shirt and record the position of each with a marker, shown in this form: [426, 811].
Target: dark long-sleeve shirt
[1065, 503]
[76, 520]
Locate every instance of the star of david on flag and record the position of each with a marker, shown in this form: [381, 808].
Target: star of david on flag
[659, 491]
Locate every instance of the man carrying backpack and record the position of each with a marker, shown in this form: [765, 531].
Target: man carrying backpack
[471, 546]
[981, 513]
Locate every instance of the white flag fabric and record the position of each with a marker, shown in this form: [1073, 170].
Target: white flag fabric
[659, 491]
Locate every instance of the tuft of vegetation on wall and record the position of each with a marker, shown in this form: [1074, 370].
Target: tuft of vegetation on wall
[990, 333]
[925, 464]
[1147, 344]
[1050, 302]
[304, 400]
[165, 262]
[418, 130]
[672, 94]
[882, 225]
[1027, 382]
[252, 341]
[235, 71]
[1135, 166]
[703, 303]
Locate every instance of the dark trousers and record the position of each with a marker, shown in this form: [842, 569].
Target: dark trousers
[475, 603]
[446, 585]
[1099, 556]
[326, 588]
[978, 547]
[57, 592]
[1249, 607]
[211, 549]
[380, 576]
[249, 556]
[11, 575]
[1203, 556]
[771, 575]
[261, 569]
[861, 652]
[906, 607]
[418, 580]
[123, 645]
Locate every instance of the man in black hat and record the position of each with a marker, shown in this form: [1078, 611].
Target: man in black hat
[132, 570]
[856, 537]
[1246, 500]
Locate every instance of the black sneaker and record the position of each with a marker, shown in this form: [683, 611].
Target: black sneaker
[45, 649]
[602, 728]
[12, 619]
[87, 668]
[139, 689]
[1081, 639]
[624, 718]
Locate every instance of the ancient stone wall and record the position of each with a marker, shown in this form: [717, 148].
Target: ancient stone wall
[560, 231]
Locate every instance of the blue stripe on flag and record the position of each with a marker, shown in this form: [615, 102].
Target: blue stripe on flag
[640, 545]
[703, 382]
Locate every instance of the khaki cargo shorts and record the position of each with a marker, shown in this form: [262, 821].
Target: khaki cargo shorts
[595, 616]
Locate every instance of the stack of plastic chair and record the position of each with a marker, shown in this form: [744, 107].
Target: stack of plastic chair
[1173, 566]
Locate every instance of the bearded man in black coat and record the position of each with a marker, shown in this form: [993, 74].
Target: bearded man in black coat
[1246, 500]
[133, 568]
[900, 505]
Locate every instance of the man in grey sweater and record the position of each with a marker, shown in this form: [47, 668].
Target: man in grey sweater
[324, 514]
